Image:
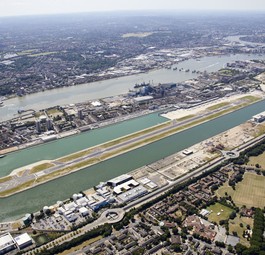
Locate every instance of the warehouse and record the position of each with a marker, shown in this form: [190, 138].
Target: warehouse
[132, 194]
[119, 180]
[125, 186]
[6, 243]
[23, 241]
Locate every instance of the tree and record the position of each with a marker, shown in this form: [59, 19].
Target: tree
[176, 248]
[232, 215]
[240, 248]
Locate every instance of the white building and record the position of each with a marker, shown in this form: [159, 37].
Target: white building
[125, 186]
[23, 241]
[132, 194]
[119, 180]
[7, 243]
[82, 202]
[259, 117]
[84, 211]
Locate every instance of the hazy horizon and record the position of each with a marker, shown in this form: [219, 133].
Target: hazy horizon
[43, 7]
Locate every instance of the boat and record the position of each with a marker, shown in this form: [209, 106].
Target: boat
[2, 156]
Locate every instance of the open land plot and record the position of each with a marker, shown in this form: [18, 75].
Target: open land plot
[215, 105]
[260, 129]
[234, 226]
[221, 192]
[54, 112]
[42, 54]
[140, 35]
[258, 160]
[218, 212]
[250, 191]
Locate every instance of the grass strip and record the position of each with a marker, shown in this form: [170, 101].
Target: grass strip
[41, 167]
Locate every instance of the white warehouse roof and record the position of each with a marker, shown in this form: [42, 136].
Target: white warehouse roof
[23, 240]
[6, 241]
[120, 179]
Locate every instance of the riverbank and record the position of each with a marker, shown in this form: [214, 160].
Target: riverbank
[44, 175]
[66, 134]
[244, 133]
[183, 113]
[113, 87]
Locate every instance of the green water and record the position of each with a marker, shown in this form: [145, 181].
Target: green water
[62, 188]
[75, 143]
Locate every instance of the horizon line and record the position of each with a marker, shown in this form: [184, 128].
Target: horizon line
[186, 11]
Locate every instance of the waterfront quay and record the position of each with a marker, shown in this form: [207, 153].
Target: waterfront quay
[89, 177]
[32, 127]
[40, 172]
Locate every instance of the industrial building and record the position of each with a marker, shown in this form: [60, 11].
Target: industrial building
[132, 194]
[23, 241]
[119, 180]
[125, 186]
[143, 99]
[259, 117]
[7, 243]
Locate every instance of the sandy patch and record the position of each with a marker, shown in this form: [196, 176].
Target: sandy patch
[180, 113]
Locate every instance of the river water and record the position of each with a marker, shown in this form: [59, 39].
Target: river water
[62, 188]
[111, 87]
[71, 144]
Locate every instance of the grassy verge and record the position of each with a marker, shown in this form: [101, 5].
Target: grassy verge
[251, 99]
[186, 117]
[217, 106]
[17, 188]
[41, 167]
[5, 179]
[75, 156]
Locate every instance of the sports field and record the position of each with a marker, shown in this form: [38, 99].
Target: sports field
[218, 212]
[251, 191]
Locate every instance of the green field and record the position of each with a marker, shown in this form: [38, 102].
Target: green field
[225, 189]
[216, 209]
[234, 226]
[251, 191]
[257, 160]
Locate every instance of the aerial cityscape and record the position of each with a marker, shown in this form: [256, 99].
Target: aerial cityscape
[132, 128]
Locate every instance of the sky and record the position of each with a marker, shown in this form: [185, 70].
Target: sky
[35, 7]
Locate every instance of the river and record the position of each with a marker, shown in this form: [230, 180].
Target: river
[112, 87]
[59, 189]
[236, 39]
[71, 144]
